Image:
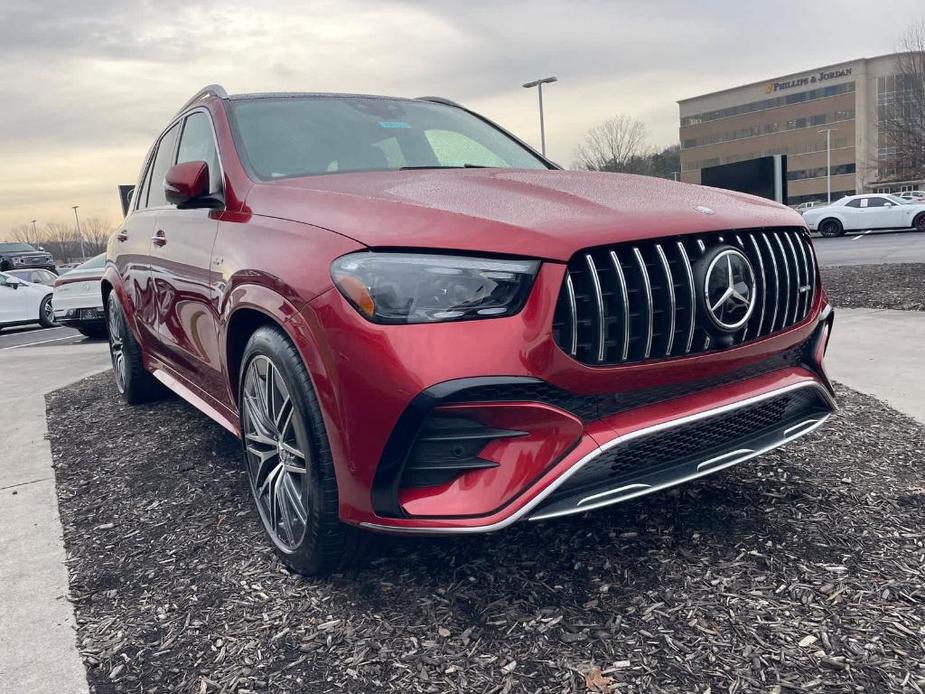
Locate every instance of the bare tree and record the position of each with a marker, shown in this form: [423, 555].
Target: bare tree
[618, 144]
[901, 116]
[24, 233]
[63, 242]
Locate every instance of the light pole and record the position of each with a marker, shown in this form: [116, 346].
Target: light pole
[539, 85]
[34, 232]
[83, 256]
[828, 162]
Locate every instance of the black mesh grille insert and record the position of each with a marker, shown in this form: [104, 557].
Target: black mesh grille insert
[695, 441]
[637, 301]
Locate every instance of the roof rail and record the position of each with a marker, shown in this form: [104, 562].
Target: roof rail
[209, 90]
[439, 100]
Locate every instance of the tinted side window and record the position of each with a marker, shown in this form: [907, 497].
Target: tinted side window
[876, 202]
[197, 144]
[162, 162]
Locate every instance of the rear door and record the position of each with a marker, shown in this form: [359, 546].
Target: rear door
[181, 258]
[19, 303]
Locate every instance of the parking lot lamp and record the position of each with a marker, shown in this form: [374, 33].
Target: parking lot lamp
[828, 162]
[83, 256]
[34, 233]
[539, 85]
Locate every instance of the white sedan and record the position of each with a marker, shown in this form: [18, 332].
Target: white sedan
[865, 212]
[23, 302]
[79, 298]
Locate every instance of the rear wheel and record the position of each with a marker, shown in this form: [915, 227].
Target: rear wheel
[919, 223]
[134, 383]
[46, 313]
[831, 227]
[288, 459]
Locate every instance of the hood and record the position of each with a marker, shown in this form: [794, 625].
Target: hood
[545, 214]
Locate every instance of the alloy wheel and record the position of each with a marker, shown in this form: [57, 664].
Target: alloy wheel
[275, 449]
[49, 312]
[116, 346]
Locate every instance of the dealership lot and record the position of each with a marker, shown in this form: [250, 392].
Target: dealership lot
[31, 336]
[787, 572]
[871, 248]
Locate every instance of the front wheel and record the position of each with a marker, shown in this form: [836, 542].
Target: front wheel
[288, 459]
[919, 223]
[830, 228]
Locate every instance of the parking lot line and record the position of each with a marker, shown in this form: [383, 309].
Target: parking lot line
[863, 233]
[40, 342]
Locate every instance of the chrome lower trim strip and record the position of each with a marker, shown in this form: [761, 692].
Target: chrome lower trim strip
[559, 481]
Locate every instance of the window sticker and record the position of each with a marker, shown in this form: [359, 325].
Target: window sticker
[389, 124]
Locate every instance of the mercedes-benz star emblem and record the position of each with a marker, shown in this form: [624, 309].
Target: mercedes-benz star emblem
[728, 290]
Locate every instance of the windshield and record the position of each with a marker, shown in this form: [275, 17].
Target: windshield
[282, 137]
[15, 247]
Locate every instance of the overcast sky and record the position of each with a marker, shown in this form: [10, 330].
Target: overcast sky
[86, 85]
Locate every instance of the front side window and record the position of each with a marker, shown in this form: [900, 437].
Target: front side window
[198, 144]
[282, 137]
[162, 162]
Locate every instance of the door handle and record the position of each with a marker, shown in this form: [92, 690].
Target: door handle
[159, 238]
[122, 236]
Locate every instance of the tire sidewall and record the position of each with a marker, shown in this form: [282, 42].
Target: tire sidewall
[833, 224]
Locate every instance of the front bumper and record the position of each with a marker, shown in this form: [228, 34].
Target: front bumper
[379, 384]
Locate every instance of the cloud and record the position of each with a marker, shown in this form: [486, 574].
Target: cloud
[88, 85]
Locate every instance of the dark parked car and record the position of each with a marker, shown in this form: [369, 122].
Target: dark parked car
[14, 256]
[417, 324]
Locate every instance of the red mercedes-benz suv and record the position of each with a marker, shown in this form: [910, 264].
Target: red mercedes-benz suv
[417, 324]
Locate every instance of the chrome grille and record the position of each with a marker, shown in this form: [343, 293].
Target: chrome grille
[637, 301]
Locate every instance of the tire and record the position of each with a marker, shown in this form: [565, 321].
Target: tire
[918, 223]
[831, 228]
[132, 381]
[96, 332]
[288, 459]
[46, 313]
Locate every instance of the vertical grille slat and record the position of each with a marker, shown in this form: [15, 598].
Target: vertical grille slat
[633, 302]
[573, 316]
[649, 308]
[599, 302]
[672, 302]
[692, 312]
[621, 282]
[799, 279]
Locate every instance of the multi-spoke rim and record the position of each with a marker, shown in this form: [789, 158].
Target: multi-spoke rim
[116, 346]
[275, 448]
[49, 311]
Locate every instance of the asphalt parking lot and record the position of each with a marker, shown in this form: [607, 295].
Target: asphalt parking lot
[871, 248]
[33, 336]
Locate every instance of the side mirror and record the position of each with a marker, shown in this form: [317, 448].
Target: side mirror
[186, 185]
[888, 204]
[13, 282]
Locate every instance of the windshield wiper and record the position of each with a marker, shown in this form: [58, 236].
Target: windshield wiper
[438, 166]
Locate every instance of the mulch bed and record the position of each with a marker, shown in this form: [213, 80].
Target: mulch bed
[803, 570]
[900, 286]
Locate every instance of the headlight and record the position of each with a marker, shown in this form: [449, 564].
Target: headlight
[418, 288]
